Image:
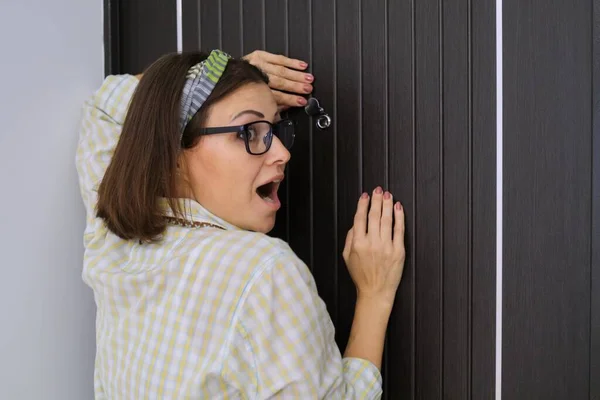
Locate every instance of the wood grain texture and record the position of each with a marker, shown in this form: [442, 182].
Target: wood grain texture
[349, 132]
[253, 25]
[483, 200]
[324, 162]
[147, 30]
[457, 198]
[112, 37]
[595, 272]
[428, 197]
[400, 346]
[547, 199]
[190, 29]
[300, 171]
[231, 28]
[374, 117]
[209, 25]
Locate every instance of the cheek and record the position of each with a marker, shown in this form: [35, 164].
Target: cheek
[221, 166]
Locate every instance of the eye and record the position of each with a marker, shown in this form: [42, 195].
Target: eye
[249, 132]
[252, 133]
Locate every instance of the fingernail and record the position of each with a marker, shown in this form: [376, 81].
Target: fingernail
[302, 101]
[303, 64]
[398, 206]
[308, 88]
[309, 77]
[386, 195]
[364, 196]
[379, 190]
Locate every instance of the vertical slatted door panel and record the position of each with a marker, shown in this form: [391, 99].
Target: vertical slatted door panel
[232, 37]
[429, 190]
[201, 25]
[253, 25]
[146, 30]
[400, 382]
[483, 200]
[547, 199]
[348, 125]
[325, 229]
[595, 278]
[299, 172]
[456, 198]
[374, 98]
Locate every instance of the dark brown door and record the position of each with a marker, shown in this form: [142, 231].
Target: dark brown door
[411, 87]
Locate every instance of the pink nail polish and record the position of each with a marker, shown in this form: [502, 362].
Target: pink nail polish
[379, 190]
[309, 78]
[307, 88]
[386, 195]
[397, 206]
[303, 64]
[302, 101]
[364, 196]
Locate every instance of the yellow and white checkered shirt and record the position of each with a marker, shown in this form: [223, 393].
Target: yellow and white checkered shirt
[206, 313]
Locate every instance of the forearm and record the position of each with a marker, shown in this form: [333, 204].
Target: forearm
[367, 335]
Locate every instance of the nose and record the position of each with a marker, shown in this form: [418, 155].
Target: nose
[278, 154]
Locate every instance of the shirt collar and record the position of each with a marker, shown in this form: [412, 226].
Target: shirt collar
[194, 211]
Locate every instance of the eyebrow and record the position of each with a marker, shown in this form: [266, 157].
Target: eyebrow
[253, 112]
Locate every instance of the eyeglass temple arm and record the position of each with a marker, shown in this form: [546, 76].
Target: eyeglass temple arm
[224, 129]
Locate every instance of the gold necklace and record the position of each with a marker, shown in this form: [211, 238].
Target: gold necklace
[191, 224]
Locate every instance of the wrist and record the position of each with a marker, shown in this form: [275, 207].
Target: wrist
[379, 304]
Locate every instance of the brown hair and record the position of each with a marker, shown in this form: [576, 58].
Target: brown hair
[143, 167]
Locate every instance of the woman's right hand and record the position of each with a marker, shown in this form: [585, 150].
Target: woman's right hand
[375, 258]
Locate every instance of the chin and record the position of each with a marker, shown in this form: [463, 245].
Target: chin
[265, 226]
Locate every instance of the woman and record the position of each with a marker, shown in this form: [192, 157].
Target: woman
[179, 174]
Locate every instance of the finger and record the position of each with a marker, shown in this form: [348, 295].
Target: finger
[286, 73]
[348, 244]
[283, 60]
[399, 227]
[387, 217]
[289, 100]
[375, 213]
[360, 218]
[276, 82]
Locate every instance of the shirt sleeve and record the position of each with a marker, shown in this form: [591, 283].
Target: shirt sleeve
[101, 123]
[284, 345]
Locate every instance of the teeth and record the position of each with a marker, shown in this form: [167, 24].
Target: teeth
[268, 199]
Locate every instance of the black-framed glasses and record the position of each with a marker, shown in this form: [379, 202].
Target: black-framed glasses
[258, 135]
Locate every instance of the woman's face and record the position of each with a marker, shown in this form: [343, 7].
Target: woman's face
[224, 178]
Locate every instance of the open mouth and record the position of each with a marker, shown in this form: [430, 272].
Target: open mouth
[268, 191]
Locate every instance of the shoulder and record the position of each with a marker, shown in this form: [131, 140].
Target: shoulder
[242, 253]
[242, 245]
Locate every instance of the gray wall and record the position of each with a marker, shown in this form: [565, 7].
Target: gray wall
[52, 59]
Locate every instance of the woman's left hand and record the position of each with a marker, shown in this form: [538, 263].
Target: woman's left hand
[284, 76]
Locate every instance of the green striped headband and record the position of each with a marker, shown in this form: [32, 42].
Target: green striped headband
[201, 80]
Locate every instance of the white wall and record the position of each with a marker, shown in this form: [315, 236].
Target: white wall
[51, 60]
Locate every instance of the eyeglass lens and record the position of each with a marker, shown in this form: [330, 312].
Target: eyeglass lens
[259, 138]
